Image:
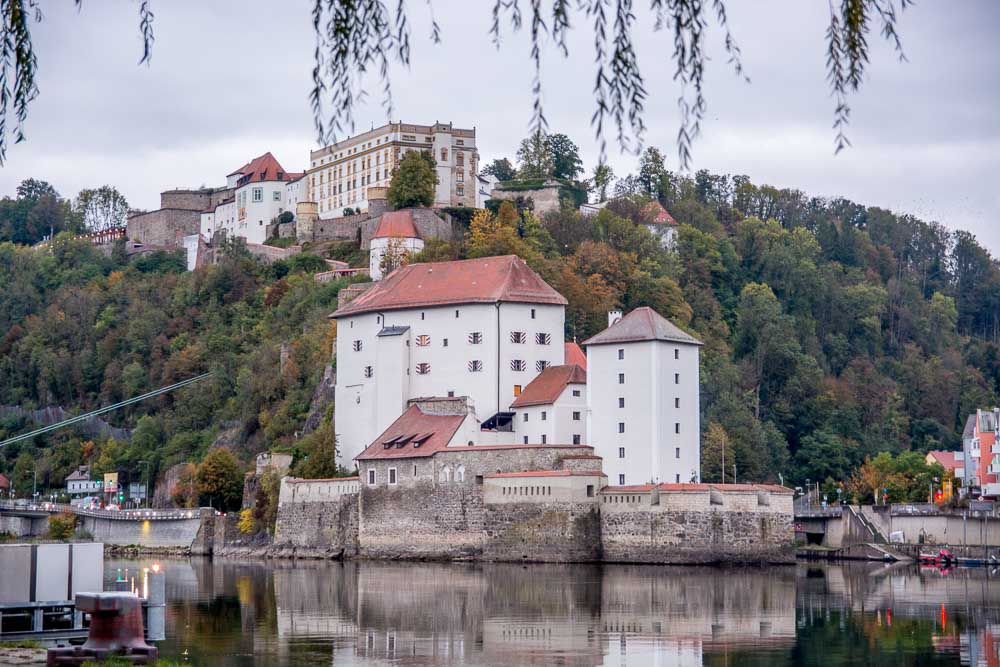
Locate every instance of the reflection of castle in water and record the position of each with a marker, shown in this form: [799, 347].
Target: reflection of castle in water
[542, 614]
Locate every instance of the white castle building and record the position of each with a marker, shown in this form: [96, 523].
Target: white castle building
[262, 190]
[394, 234]
[341, 174]
[488, 333]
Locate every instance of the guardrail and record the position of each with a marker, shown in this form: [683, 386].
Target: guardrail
[118, 515]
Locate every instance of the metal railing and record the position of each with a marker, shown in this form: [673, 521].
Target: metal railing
[121, 515]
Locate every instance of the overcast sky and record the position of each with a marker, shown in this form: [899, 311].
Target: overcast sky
[229, 81]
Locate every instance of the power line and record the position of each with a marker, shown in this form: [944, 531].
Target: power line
[101, 411]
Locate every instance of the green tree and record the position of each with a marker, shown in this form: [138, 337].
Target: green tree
[603, 177]
[219, 480]
[534, 157]
[566, 162]
[414, 181]
[501, 169]
[101, 208]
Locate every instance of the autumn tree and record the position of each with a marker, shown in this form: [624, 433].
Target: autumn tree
[396, 254]
[219, 480]
[602, 179]
[414, 181]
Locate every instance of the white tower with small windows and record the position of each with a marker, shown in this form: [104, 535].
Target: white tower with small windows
[643, 401]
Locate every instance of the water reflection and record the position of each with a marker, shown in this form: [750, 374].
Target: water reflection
[309, 613]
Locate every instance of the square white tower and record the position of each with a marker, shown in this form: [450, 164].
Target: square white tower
[643, 400]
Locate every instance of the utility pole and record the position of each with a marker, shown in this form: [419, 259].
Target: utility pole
[145, 492]
[723, 459]
[734, 473]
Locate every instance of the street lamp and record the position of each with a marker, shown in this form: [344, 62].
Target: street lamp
[145, 491]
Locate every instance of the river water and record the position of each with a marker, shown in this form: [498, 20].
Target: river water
[229, 613]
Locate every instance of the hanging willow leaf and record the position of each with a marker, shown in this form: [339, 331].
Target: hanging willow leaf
[360, 38]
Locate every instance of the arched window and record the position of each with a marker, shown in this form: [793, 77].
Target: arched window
[460, 474]
[445, 475]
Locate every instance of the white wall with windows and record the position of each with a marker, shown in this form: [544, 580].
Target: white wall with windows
[488, 352]
[643, 410]
[562, 422]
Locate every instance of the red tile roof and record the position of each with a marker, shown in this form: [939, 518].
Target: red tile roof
[414, 433]
[574, 355]
[547, 473]
[4, 482]
[396, 225]
[634, 488]
[263, 168]
[549, 385]
[659, 214]
[639, 325]
[484, 280]
[950, 460]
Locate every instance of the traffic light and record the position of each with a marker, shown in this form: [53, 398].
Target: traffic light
[121, 497]
[938, 495]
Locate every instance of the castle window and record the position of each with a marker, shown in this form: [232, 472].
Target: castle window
[576, 393]
[532, 313]
[371, 477]
[475, 338]
[544, 415]
[677, 427]
[576, 416]
[525, 416]
[543, 338]
[621, 452]
[459, 190]
[475, 366]
[460, 177]
[517, 365]
[544, 439]
[444, 154]
[517, 337]
[541, 365]
[677, 378]
[392, 476]
[621, 480]
[456, 313]
[258, 194]
[356, 345]
[517, 390]
[525, 439]
[621, 378]
[277, 196]
[677, 353]
[677, 402]
[460, 474]
[621, 401]
[677, 452]
[444, 342]
[621, 427]
[423, 340]
[369, 371]
[576, 438]
[423, 369]
[677, 478]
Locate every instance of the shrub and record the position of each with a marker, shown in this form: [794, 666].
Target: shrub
[247, 524]
[62, 525]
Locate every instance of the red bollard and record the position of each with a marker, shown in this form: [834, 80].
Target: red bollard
[115, 631]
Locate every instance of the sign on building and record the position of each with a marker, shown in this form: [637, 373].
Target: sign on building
[111, 482]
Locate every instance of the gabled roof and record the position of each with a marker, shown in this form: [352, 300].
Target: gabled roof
[80, 474]
[950, 460]
[396, 225]
[414, 433]
[484, 280]
[548, 385]
[659, 215]
[262, 168]
[639, 325]
[574, 355]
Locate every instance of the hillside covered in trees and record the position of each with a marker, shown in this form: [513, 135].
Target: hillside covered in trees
[833, 331]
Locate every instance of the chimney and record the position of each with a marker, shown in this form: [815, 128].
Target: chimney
[614, 316]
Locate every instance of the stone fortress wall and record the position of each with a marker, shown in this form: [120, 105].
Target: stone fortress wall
[481, 515]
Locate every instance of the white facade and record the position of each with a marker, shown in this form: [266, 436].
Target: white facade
[82, 486]
[562, 422]
[378, 246]
[458, 350]
[340, 174]
[295, 191]
[257, 204]
[643, 410]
